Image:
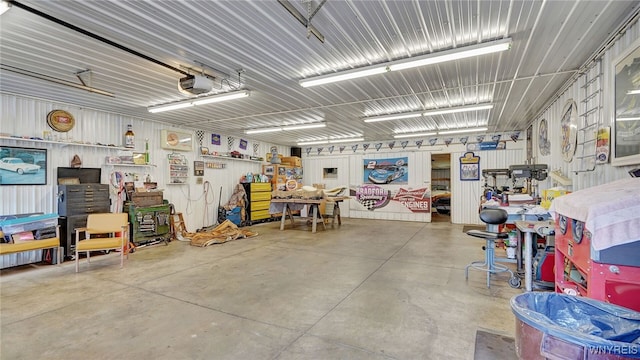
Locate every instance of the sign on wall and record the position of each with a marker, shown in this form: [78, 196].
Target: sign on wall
[386, 171]
[469, 167]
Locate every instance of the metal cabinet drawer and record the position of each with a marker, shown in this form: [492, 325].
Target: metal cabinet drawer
[260, 187]
[260, 205]
[261, 196]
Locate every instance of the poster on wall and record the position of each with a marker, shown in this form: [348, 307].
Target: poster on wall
[386, 171]
[469, 167]
[602, 145]
[403, 200]
[415, 200]
[23, 166]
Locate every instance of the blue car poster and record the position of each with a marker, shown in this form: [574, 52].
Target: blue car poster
[386, 171]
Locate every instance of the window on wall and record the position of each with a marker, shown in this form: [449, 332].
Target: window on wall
[330, 173]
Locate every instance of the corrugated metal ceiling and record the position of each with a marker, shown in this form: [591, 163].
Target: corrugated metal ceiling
[551, 40]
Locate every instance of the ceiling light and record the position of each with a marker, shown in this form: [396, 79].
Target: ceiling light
[414, 135]
[4, 6]
[265, 130]
[394, 117]
[346, 140]
[307, 126]
[313, 142]
[433, 112]
[457, 109]
[199, 101]
[460, 131]
[428, 59]
[628, 118]
[291, 127]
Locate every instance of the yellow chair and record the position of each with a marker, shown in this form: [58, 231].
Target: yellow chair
[104, 224]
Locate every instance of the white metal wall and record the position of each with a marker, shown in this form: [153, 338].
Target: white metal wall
[465, 195]
[27, 117]
[603, 173]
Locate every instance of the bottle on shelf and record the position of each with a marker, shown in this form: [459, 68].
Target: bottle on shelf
[146, 151]
[129, 138]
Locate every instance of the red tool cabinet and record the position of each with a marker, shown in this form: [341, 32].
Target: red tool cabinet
[608, 273]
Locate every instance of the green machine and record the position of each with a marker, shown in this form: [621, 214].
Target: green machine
[150, 224]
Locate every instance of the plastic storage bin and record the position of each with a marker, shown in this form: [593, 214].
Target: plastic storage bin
[559, 326]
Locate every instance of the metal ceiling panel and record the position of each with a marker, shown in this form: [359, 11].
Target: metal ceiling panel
[259, 46]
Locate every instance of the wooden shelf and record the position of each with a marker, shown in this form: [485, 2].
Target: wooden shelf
[230, 158]
[131, 165]
[62, 143]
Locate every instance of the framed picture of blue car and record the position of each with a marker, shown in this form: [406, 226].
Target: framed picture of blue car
[23, 166]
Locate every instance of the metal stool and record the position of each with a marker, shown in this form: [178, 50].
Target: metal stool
[492, 217]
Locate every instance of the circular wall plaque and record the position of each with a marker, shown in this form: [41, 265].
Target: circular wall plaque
[569, 123]
[60, 120]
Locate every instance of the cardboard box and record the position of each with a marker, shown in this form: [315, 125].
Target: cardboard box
[149, 198]
[292, 161]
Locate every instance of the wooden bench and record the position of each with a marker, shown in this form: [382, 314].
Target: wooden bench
[51, 243]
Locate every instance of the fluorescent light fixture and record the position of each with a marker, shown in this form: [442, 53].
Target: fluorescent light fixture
[628, 118]
[460, 131]
[307, 126]
[317, 142]
[314, 142]
[346, 140]
[394, 117]
[281, 128]
[203, 100]
[433, 112]
[265, 130]
[428, 59]
[343, 75]
[457, 109]
[4, 6]
[633, 92]
[400, 136]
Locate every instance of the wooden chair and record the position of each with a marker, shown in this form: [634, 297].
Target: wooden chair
[116, 229]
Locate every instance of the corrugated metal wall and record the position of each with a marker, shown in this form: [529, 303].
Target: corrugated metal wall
[199, 202]
[465, 195]
[603, 173]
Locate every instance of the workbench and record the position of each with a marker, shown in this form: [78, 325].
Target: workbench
[297, 204]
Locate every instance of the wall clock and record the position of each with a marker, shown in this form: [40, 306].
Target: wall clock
[176, 140]
[569, 124]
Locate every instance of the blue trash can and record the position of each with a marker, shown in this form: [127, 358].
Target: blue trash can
[559, 326]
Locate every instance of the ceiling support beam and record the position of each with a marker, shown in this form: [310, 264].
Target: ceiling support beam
[304, 21]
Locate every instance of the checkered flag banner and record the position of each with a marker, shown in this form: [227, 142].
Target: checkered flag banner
[320, 150]
[230, 141]
[419, 143]
[392, 144]
[378, 146]
[496, 137]
[200, 136]
[365, 146]
[331, 149]
[448, 141]
[480, 138]
[464, 139]
[404, 144]
[341, 148]
[433, 141]
[256, 147]
[308, 150]
[354, 147]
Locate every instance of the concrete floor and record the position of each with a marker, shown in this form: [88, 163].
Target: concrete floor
[366, 290]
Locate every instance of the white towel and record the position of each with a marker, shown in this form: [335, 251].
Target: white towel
[611, 212]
